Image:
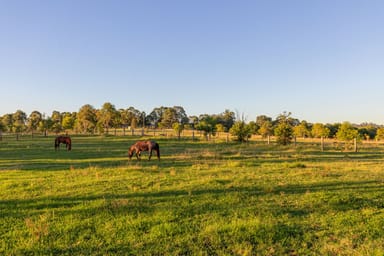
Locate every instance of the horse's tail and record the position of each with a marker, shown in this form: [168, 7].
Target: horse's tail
[158, 151]
[69, 144]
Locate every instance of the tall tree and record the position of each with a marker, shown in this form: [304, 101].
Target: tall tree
[260, 120]
[380, 133]
[181, 116]
[8, 122]
[19, 119]
[367, 131]
[347, 132]
[136, 116]
[168, 118]
[207, 124]
[86, 119]
[107, 116]
[56, 118]
[2, 128]
[320, 130]
[34, 120]
[241, 131]
[69, 119]
[333, 128]
[227, 119]
[302, 130]
[266, 128]
[283, 130]
[164, 117]
[178, 128]
[155, 116]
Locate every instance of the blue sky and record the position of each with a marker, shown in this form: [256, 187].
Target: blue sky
[322, 60]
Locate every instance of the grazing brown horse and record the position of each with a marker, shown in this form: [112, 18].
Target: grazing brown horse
[147, 145]
[65, 140]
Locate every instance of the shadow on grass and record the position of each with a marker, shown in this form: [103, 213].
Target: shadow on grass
[146, 202]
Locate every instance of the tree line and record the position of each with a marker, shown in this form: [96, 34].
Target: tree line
[90, 120]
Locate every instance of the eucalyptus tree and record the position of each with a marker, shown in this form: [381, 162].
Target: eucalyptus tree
[155, 116]
[33, 121]
[2, 128]
[220, 128]
[168, 118]
[319, 130]
[347, 132]
[19, 119]
[107, 116]
[227, 119]
[333, 128]
[284, 128]
[135, 116]
[178, 128]
[368, 131]
[207, 124]
[56, 119]
[302, 129]
[253, 127]
[380, 133]
[7, 122]
[241, 131]
[260, 120]
[68, 120]
[124, 118]
[266, 128]
[86, 119]
[165, 117]
[181, 115]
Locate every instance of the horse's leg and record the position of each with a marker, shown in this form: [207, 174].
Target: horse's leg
[138, 154]
[150, 154]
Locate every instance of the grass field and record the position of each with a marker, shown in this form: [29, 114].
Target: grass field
[202, 198]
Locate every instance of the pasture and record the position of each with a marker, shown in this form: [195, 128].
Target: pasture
[202, 198]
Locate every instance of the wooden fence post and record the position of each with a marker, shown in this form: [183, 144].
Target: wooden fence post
[322, 143]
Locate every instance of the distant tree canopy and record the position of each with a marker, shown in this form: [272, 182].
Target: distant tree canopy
[380, 134]
[319, 130]
[165, 117]
[347, 132]
[89, 120]
[284, 128]
[241, 131]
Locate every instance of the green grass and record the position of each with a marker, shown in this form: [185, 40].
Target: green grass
[202, 198]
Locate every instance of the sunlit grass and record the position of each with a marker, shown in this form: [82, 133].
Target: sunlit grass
[202, 198]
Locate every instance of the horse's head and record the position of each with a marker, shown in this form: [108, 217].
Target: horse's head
[130, 152]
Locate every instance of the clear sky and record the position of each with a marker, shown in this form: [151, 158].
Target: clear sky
[322, 60]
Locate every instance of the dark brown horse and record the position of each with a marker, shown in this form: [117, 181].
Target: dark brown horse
[140, 146]
[65, 140]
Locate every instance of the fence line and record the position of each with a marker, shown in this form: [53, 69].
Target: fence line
[323, 144]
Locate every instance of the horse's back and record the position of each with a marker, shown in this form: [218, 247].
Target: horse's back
[63, 139]
[153, 144]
